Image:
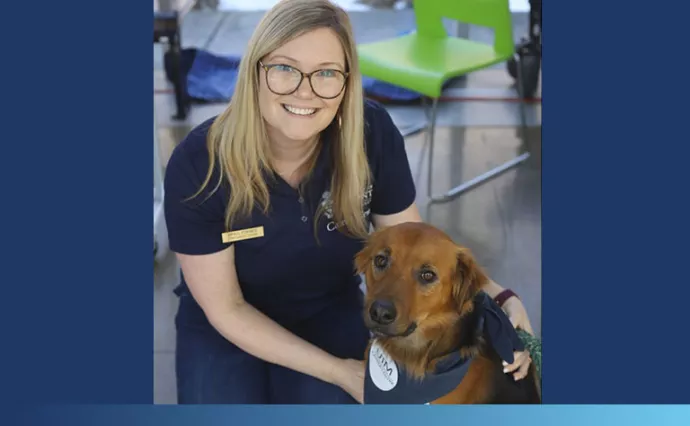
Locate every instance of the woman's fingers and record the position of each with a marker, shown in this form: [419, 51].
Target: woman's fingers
[518, 359]
[520, 365]
[523, 370]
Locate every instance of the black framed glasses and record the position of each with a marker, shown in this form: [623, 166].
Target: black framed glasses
[284, 79]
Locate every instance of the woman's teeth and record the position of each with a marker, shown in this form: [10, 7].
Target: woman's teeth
[299, 111]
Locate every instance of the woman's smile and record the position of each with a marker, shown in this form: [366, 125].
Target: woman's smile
[299, 111]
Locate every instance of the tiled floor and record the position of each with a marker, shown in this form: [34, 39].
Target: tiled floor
[500, 221]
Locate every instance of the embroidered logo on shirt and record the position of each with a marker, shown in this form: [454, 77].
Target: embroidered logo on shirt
[327, 204]
[327, 207]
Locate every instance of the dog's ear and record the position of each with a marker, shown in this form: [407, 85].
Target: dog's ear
[363, 257]
[468, 281]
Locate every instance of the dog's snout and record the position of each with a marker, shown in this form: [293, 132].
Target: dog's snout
[382, 312]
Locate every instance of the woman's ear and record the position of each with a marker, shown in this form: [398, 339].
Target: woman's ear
[469, 280]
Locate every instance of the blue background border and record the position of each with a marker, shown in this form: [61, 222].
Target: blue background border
[348, 416]
[76, 213]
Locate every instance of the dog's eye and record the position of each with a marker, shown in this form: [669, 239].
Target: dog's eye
[427, 276]
[380, 261]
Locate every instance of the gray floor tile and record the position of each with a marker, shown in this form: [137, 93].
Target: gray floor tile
[472, 113]
[166, 277]
[499, 221]
[164, 386]
[228, 32]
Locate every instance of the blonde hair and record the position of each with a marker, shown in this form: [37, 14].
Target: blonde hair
[238, 142]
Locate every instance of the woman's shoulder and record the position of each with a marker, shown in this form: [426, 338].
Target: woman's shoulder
[192, 150]
[377, 119]
[394, 188]
[188, 164]
[194, 214]
[380, 132]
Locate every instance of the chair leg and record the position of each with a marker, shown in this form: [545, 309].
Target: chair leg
[521, 93]
[431, 132]
[485, 177]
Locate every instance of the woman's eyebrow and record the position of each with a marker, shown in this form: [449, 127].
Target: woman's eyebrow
[284, 57]
[331, 63]
[293, 60]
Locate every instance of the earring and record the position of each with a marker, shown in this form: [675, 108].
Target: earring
[340, 121]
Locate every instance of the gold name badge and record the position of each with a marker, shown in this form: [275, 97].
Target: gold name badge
[243, 234]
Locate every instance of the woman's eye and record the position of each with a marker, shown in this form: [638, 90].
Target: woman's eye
[380, 261]
[327, 73]
[284, 68]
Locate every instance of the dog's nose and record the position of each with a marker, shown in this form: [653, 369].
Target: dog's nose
[382, 312]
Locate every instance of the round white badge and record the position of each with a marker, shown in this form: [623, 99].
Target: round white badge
[382, 368]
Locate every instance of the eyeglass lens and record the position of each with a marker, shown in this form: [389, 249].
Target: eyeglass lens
[283, 79]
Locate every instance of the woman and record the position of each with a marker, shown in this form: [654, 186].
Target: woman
[270, 308]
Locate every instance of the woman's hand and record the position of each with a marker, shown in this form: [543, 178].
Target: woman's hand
[349, 375]
[520, 366]
[517, 314]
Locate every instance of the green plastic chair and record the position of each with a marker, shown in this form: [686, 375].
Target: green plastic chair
[424, 60]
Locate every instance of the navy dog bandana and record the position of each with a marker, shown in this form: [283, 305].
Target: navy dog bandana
[388, 383]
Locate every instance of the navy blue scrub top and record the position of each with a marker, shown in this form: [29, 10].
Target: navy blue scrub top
[286, 274]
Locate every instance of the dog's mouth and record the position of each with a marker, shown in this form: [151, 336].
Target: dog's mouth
[387, 332]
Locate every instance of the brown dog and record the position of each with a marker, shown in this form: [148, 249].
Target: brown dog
[424, 305]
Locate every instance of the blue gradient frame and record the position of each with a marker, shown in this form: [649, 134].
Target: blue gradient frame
[76, 223]
[549, 415]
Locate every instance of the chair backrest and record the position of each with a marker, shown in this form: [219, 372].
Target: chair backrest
[494, 14]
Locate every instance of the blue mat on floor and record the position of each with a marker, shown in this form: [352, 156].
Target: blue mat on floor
[211, 78]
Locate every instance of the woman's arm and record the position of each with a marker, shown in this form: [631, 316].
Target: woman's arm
[212, 280]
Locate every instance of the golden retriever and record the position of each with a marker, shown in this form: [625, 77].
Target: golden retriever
[424, 305]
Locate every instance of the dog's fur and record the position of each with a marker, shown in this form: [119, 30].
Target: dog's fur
[432, 283]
